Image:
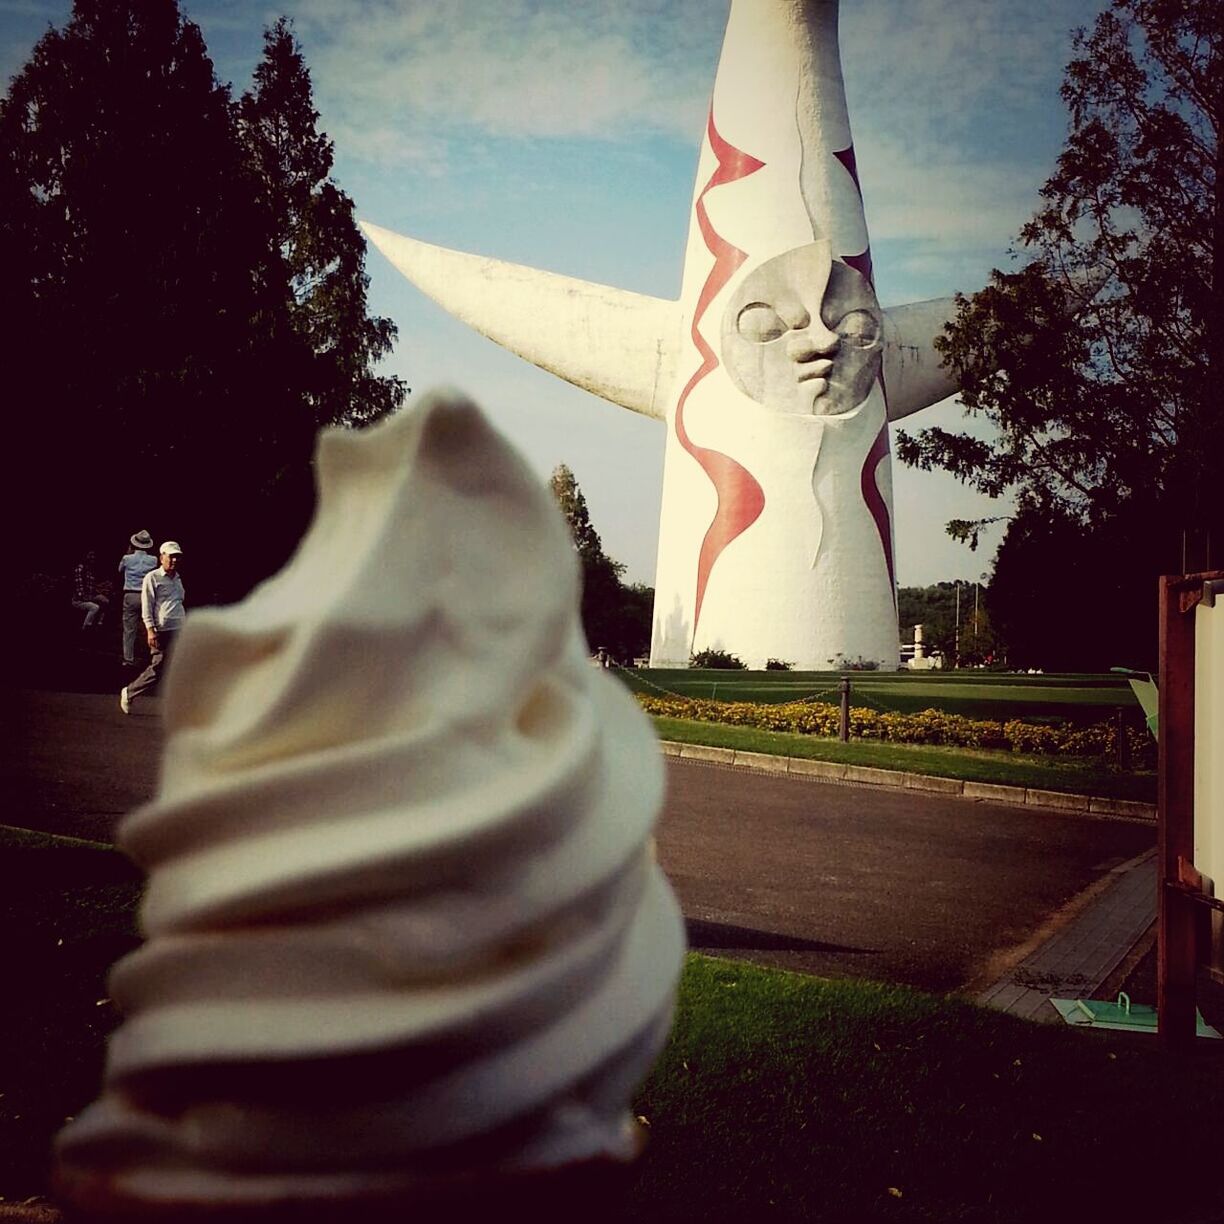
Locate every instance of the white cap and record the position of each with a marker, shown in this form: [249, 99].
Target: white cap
[170, 547]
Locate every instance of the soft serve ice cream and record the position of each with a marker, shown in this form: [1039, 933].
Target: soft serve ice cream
[402, 918]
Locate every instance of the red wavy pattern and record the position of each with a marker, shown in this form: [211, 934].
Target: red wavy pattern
[875, 499]
[878, 452]
[861, 263]
[740, 497]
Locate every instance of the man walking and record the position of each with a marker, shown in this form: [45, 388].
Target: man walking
[161, 609]
[134, 565]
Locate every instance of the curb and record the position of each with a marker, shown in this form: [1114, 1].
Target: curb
[865, 775]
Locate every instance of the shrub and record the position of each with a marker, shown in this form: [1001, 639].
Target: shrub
[717, 659]
[926, 727]
[777, 665]
[858, 663]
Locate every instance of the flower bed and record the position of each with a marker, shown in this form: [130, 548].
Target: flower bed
[925, 727]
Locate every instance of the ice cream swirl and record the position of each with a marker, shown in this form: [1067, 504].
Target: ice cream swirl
[402, 914]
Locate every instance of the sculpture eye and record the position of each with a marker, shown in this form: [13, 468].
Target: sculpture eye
[859, 328]
[759, 323]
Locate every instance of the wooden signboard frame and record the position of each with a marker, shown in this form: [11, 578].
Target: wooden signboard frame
[1183, 904]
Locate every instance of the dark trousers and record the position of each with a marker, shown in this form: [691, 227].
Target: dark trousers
[132, 624]
[149, 678]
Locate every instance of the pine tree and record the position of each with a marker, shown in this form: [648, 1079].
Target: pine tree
[315, 260]
[573, 505]
[615, 618]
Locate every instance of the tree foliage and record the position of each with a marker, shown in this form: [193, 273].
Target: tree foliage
[160, 374]
[615, 617]
[954, 619]
[1066, 598]
[316, 255]
[128, 239]
[1100, 362]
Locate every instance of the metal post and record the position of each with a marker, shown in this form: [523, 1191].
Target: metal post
[1176, 959]
[956, 640]
[844, 730]
[1123, 747]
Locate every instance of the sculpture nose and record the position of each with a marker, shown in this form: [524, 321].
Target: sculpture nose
[813, 341]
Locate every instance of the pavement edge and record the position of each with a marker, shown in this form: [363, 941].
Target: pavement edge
[863, 775]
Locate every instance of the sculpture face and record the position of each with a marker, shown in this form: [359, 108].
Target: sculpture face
[802, 335]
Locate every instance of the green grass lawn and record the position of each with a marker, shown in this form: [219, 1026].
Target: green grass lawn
[778, 1096]
[975, 694]
[1080, 776]
[787, 1097]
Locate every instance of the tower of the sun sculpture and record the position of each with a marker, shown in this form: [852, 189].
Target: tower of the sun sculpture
[776, 372]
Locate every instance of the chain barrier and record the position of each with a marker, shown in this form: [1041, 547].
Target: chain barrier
[638, 678]
[857, 697]
[814, 697]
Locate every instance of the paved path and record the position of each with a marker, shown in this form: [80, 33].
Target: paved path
[1076, 960]
[935, 892]
[938, 892]
[72, 763]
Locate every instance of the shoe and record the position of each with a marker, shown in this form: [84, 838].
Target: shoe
[124, 704]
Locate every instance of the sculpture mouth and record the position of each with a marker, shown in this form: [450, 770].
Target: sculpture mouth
[814, 386]
[812, 378]
[814, 370]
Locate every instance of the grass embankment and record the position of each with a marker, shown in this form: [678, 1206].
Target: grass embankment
[787, 1097]
[1075, 775]
[67, 912]
[778, 1096]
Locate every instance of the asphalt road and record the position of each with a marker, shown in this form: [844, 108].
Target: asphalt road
[72, 763]
[854, 881]
[824, 878]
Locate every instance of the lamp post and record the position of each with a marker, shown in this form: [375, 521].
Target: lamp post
[956, 640]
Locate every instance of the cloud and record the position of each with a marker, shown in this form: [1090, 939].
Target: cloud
[957, 121]
[937, 195]
[22, 24]
[512, 69]
[959, 71]
[938, 221]
[953, 102]
[43, 10]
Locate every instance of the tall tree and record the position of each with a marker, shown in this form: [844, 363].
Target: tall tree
[615, 618]
[131, 223]
[572, 501]
[1108, 407]
[316, 256]
[186, 307]
[126, 219]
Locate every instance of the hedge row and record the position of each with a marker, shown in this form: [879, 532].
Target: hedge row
[925, 727]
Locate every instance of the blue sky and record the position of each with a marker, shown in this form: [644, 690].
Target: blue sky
[564, 134]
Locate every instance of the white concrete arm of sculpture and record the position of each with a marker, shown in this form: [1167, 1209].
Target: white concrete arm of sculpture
[913, 375]
[619, 345]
